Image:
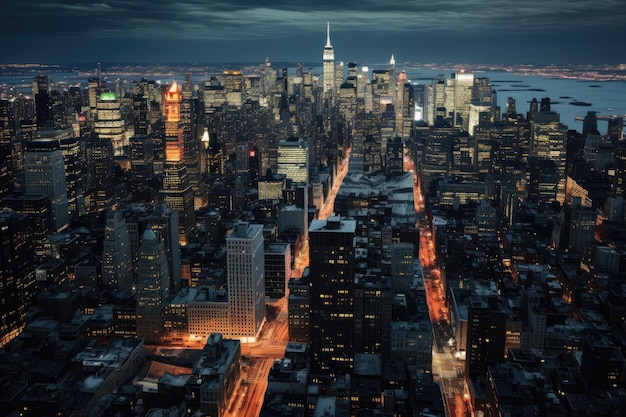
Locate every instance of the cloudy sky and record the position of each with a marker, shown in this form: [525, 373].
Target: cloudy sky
[207, 31]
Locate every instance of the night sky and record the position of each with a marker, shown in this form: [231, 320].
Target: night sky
[367, 31]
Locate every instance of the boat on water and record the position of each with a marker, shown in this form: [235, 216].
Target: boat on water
[579, 103]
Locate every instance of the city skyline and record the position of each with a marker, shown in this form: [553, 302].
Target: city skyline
[192, 31]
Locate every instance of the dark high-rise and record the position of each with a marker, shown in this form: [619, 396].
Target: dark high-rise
[332, 288]
[15, 257]
[486, 335]
[45, 175]
[7, 136]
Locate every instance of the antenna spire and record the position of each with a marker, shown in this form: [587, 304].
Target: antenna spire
[328, 35]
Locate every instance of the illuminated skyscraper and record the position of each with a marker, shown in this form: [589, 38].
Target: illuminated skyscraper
[459, 97]
[232, 80]
[293, 159]
[176, 192]
[245, 274]
[109, 124]
[332, 294]
[548, 141]
[328, 65]
[393, 80]
[45, 175]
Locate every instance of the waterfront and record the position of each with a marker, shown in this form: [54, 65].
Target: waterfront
[606, 97]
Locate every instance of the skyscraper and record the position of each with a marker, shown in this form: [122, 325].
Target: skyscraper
[45, 175]
[486, 335]
[16, 253]
[548, 142]
[152, 288]
[189, 124]
[7, 137]
[176, 192]
[332, 266]
[109, 123]
[293, 159]
[277, 269]
[117, 265]
[164, 222]
[245, 274]
[328, 65]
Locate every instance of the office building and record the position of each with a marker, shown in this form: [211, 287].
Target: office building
[153, 288]
[37, 207]
[141, 160]
[189, 109]
[293, 159]
[16, 273]
[44, 173]
[7, 137]
[299, 308]
[277, 269]
[328, 66]
[245, 272]
[548, 142]
[232, 80]
[164, 223]
[486, 335]
[109, 123]
[176, 192]
[117, 265]
[332, 262]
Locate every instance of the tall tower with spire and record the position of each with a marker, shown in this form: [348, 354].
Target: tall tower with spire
[176, 192]
[328, 65]
[393, 81]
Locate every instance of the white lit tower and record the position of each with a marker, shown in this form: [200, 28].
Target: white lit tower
[393, 81]
[329, 65]
[245, 274]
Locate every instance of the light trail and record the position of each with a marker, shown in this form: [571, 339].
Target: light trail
[329, 204]
[438, 310]
[301, 260]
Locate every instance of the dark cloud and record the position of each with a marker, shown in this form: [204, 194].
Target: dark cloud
[427, 24]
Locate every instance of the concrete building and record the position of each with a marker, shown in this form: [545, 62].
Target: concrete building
[245, 266]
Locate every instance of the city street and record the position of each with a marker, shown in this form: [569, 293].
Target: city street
[448, 370]
[259, 357]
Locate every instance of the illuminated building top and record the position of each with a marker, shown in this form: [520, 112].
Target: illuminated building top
[107, 96]
[328, 45]
[329, 52]
[172, 104]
